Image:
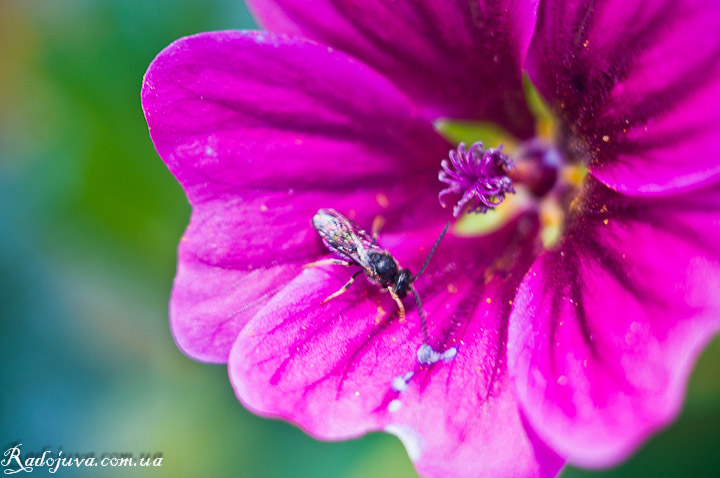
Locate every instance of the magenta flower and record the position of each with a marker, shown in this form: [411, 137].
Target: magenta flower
[577, 350]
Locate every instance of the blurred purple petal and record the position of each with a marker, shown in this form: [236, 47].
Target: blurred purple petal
[262, 131]
[349, 367]
[637, 84]
[459, 59]
[606, 328]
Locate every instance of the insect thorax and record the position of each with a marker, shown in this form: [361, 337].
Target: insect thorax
[385, 268]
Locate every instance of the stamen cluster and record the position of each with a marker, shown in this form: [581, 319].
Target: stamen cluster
[479, 176]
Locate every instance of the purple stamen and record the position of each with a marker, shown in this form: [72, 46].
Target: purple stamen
[477, 175]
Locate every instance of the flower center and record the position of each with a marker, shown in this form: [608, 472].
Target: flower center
[480, 178]
[543, 175]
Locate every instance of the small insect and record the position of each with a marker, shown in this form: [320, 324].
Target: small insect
[356, 248]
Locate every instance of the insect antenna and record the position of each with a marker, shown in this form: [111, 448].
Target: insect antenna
[432, 251]
[421, 314]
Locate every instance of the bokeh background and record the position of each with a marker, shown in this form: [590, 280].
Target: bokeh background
[89, 224]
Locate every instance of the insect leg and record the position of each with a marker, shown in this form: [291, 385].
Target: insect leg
[326, 262]
[343, 288]
[401, 307]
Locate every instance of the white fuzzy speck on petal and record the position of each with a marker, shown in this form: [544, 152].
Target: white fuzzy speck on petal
[394, 406]
[426, 355]
[400, 383]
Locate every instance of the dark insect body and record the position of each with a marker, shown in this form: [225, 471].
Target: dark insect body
[355, 247]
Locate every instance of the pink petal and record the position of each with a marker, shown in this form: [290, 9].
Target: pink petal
[459, 59]
[341, 369]
[605, 329]
[262, 131]
[637, 83]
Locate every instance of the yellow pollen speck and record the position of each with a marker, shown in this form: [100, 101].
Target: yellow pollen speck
[183, 239]
[452, 288]
[303, 327]
[394, 339]
[382, 200]
[576, 203]
[462, 343]
[606, 138]
[587, 42]
[488, 300]
[379, 314]
[606, 221]
[510, 302]
[263, 208]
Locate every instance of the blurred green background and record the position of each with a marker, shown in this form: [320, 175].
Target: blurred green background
[90, 220]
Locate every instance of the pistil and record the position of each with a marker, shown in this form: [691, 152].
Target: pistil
[536, 167]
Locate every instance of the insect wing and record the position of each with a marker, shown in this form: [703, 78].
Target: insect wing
[342, 236]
